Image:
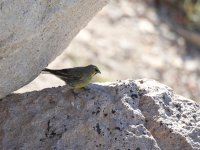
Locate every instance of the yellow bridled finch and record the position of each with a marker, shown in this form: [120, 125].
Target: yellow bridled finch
[77, 77]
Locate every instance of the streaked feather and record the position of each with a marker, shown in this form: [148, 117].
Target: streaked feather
[76, 77]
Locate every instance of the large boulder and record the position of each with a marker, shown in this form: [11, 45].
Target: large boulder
[34, 32]
[126, 115]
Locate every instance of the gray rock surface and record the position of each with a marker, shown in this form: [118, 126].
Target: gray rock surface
[33, 33]
[135, 115]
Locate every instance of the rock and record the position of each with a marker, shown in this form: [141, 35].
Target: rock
[135, 115]
[33, 33]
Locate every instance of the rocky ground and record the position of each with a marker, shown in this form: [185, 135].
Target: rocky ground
[127, 39]
[124, 115]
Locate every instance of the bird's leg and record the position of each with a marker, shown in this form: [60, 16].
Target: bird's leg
[86, 88]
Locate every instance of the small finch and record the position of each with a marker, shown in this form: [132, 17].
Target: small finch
[77, 77]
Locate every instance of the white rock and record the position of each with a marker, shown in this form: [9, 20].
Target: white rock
[135, 115]
[33, 33]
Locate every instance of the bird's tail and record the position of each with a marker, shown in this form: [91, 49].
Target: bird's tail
[46, 71]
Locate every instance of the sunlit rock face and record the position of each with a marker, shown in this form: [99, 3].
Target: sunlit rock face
[135, 115]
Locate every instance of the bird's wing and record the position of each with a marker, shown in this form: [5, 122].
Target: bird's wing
[67, 74]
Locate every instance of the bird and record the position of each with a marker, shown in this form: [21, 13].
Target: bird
[77, 77]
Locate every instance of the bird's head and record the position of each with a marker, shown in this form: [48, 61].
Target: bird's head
[94, 69]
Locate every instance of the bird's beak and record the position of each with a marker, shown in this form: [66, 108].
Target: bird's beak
[99, 71]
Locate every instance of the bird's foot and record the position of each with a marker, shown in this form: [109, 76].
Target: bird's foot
[85, 88]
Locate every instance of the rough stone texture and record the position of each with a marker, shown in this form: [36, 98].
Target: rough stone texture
[135, 115]
[33, 33]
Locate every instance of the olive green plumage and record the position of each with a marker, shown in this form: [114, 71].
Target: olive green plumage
[77, 77]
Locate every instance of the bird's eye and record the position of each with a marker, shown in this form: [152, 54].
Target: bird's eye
[96, 69]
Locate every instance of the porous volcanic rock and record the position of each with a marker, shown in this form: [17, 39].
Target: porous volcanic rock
[125, 115]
